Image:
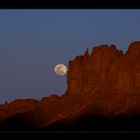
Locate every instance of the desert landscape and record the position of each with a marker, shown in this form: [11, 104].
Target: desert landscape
[103, 93]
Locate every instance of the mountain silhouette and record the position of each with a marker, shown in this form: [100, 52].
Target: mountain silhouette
[103, 93]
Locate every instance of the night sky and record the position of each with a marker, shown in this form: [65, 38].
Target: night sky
[32, 42]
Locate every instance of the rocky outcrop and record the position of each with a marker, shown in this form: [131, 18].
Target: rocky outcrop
[17, 106]
[109, 77]
[104, 82]
[88, 73]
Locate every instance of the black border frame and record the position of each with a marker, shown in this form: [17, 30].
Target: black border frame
[69, 4]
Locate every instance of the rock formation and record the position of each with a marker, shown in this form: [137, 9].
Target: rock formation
[105, 82]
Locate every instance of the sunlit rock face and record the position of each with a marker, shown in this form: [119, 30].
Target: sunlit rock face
[103, 82]
[105, 67]
[109, 77]
[90, 71]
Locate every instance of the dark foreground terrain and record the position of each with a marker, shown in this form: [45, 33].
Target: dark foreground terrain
[83, 123]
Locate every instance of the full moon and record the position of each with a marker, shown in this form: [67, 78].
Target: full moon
[60, 69]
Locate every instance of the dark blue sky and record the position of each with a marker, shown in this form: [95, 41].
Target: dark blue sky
[32, 42]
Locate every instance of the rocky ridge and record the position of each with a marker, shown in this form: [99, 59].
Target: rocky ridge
[104, 82]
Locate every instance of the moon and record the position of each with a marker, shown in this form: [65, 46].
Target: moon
[60, 69]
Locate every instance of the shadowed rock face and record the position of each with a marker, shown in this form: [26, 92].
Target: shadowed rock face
[105, 82]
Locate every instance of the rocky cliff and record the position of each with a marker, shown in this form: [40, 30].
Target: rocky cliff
[105, 82]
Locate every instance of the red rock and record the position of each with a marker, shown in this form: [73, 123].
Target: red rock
[105, 82]
[17, 106]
